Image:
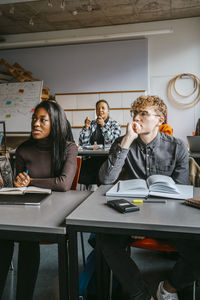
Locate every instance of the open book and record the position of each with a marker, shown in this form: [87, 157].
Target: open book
[24, 190]
[155, 185]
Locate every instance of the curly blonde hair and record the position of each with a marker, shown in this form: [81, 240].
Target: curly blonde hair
[150, 101]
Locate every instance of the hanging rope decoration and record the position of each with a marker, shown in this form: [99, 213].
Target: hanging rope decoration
[172, 85]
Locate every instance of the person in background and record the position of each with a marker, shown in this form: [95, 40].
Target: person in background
[103, 131]
[46, 160]
[142, 152]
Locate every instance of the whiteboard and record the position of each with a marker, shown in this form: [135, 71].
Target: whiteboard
[17, 102]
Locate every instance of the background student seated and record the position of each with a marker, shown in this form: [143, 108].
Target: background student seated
[51, 163]
[103, 131]
[142, 152]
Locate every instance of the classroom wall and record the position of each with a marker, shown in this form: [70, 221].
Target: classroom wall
[95, 67]
[168, 56]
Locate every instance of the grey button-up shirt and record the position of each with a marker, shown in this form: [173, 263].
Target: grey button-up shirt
[165, 155]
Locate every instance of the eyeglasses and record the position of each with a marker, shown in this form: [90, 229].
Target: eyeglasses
[142, 114]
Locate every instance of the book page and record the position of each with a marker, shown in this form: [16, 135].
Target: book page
[12, 191]
[132, 184]
[162, 183]
[34, 189]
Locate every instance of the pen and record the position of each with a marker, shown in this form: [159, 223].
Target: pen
[149, 201]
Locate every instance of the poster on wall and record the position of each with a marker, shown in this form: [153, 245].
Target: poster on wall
[17, 102]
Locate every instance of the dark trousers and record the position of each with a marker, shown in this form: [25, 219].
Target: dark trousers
[27, 269]
[114, 250]
[90, 170]
[185, 271]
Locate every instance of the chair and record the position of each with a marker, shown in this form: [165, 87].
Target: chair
[76, 177]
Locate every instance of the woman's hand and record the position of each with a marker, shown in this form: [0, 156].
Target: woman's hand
[87, 123]
[22, 180]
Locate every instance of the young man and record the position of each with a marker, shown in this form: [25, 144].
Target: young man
[142, 152]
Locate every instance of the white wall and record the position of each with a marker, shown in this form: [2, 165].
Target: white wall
[170, 55]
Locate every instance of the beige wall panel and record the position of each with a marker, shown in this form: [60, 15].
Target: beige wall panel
[80, 116]
[117, 115]
[67, 101]
[128, 98]
[87, 100]
[69, 116]
[126, 117]
[113, 99]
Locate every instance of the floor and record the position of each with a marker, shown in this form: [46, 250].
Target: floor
[154, 267]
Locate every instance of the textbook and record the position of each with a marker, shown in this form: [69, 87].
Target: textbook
[155, 185]
[24, 190]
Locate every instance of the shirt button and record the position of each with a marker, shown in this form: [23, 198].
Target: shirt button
[147, 155]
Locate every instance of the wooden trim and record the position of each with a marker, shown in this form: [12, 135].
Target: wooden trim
[109, 92]
[79, 127]
[93, 109]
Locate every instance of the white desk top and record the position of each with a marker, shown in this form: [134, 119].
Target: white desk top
[46, 218]
[170, 217]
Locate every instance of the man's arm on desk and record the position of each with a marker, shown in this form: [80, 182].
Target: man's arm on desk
[111, 168]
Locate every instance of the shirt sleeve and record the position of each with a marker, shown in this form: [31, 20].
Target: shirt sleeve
[111, 131]
[181, 172]
[63, 182]
[85, 134]
[111, 168]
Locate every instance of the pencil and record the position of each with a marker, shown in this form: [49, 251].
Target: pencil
[149, 201]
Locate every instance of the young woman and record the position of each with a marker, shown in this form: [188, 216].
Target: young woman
[50, 162]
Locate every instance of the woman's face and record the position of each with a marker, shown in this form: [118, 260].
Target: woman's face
[102, 110]
[41, 124]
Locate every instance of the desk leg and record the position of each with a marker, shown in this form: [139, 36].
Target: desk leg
[63, 268]
[73, 264]
[102, 274]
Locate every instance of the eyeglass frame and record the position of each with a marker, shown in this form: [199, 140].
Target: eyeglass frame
[146, 114]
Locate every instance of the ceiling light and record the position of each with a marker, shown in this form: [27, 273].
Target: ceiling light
[89, 8]
[15, 1]
[12, 10]
[31, 22]
[62, 4]
[50, 3]
[75, 12]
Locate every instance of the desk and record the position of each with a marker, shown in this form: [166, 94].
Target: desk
[170, 220]
[43, 223]
[99, 152]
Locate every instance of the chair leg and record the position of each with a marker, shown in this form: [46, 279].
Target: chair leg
[83, 249]
[110, 285]
[194, 290]
[11, 266]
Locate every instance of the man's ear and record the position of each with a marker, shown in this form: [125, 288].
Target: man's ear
[160, 121]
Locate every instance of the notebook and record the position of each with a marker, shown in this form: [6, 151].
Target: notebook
[27, 199]
[194, 143]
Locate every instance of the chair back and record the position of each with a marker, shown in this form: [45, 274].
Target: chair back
[153, 244]
[194, 172]
[76, 177]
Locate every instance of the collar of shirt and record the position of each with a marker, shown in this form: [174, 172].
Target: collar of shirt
[151, 146]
